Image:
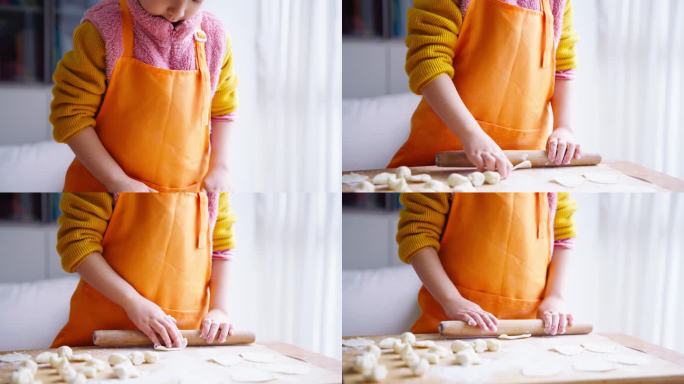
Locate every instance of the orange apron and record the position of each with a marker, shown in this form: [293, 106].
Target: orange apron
[504, 70]
[496, 249]
[155, 124]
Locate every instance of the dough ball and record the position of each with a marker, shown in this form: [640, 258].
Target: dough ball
[44, 357]
[388, 343]
[81, 357]
[420, 368]
[151, 357]
[464, 188]
[398, 185]
[403, 172]
[456, 179]
[68, 374]
[88, 372]
[435, 186]
[364, 363]
[99, 365]
[398, 346]
[441, 351]
[136, 357]
[21, 376]
[30, 365]
[382, 178]
[405, 348]
[55, 360]
[479, 345]
[117, 358]
[460, 345]
[374, 350]
[424, 344]
[365, 186]
[376, 375]
[125, 371]
[477, 179]
[410, 359]
[408, 338]
[62, 363]
[65, 351]
[492, 178]
[493, 345]
[467, 357]
[424, 178]
[432, 357]
[79, 378]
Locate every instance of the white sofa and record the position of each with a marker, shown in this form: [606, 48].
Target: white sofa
[33, 313]
[373, 129]
[379, 301]
[36, 167]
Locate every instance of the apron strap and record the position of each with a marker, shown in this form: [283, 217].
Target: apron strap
[201, 57]
[203, 221]
[547, 28]
[126, 29]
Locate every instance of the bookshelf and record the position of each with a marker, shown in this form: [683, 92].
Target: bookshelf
[385, 19]
[29, 209]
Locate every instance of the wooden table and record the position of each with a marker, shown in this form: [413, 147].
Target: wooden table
[631, 178]
[504, 366]
[191, 365]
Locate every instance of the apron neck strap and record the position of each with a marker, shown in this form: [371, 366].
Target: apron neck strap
[126, 29]
[203, 66]
[547, 28]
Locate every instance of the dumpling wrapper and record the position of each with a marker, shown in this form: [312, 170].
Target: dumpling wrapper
[515, 337]
[594, 365]
[250, 375]
[602, 177]
[599, 347]
[14, 357]
[541, 370]
[165, 349]
[353, 178]
[568, 350]
[289, 368]
[259, 357]
[569, 181]
[629, 359]
[226, 360]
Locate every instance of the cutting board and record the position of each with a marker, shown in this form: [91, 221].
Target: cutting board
[630, 178]
[505, 366]
[191, 365]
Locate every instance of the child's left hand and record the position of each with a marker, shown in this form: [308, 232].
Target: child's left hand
[555, 316]
[218, 180]
[562, 147]
[216, 327]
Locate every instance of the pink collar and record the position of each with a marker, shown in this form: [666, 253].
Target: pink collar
[160, 29]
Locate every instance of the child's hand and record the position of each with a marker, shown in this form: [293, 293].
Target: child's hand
[216, 327]
[562, 146]
[128, 184]
[486, 154]
[218, 180]
[153, 322]
[471, 313]
[555, 315]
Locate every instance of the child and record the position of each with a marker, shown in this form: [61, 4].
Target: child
[145, 270]
[482, 257]
[488, 71]
[138, 95]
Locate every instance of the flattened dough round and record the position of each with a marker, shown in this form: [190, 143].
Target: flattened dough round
[226, 360]
[14, 357]
[289, 368]
[568, 350]
[602, 177]
[515, 337]
[629, 359]
[599, 347]
[594, 365]
[258, 357]
[541, 370]
[569, 181]
[250, 375]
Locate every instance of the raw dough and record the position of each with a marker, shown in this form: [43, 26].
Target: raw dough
[364, 363]
[61, 363]
[258, 357]
[14, 357]
[594, 365]
[357, 342]
[629, 359]
[460, 345]
[435, 186]
[403, 172]
[56, 361]
[477, 179]
[479, 345]
[388, 343]
[420, 368]
[492, 178]
[541, 370]
[88, 372]
[382, 178]
[456, 179]
[405, 348]
[419, 178]
[365, 186]
[602, 177]
[44, 357]
[432, 357]
[440, 351]
[493, 345]
[99, 365]
[137, 357]
[374, 350]
[353, 178]
[515, 337]
[30, 365]
[117, 358]
[151, 357]
[599, 347]
[79, 378]
[398, 347]
[408, 338]
[398, 185]
[526, 164]
[569, 181]
[126, 370]
[464, 188]
[250, 375]
[81, 357]
[424, 344]
[65, 351]
[567, 350]
[289, 369]
[411, 359]
[21, 376]
[68, 373]
[226, 360]
[467, 357]
[163, 348]
[377, 374]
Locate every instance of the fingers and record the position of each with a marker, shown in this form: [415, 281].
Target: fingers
[569, 153]
[151, 335]
[489, 162]
[554, 323]
[578, 152]
[224, 331]
[547, 318]
[490, 320]
[551, 150]
[468, 319]
[160, 330]
[560, 152]
[571, 319]
[213, 331]
[206, 327]
[562, 323]
[502, 166]
[172, 330]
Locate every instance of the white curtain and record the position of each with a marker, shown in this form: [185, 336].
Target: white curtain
[299, 45]
[287, 269]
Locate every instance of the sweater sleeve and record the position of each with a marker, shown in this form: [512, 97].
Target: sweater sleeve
[224, 239]
[564, 222]
[79, 84]
[433, 27]
[82, 225]
[566, 58]
[225, 102]
[421, 222]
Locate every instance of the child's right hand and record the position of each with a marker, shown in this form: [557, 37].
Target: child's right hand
[471, 313]
[127, 184]
[153, 322]
[486, 154]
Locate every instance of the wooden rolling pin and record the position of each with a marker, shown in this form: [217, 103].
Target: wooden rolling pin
[129, 338]
[459, 329]
[458, 159]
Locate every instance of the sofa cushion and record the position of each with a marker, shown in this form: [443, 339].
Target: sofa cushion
[373, 129]
[379, 301]
[37, 167]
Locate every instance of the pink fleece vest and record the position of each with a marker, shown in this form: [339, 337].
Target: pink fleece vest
[157, 42]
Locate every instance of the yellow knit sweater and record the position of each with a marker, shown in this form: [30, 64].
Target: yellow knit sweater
[80, 85]
[433, 28]
[85, 217]
[423, 217]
